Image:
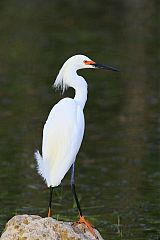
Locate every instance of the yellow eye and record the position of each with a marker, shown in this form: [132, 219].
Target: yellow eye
[89, 62]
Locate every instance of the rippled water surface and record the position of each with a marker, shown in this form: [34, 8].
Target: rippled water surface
[118, 166]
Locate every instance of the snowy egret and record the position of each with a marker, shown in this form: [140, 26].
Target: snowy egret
[64, 129]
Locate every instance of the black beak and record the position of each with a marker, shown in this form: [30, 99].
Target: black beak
[101, 66]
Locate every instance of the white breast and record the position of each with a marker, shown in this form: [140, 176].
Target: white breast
[62, 137]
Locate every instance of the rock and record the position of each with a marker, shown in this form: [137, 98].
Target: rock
[32, 227]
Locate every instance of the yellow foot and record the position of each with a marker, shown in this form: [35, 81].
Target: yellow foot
[49, 212]
[88, 225]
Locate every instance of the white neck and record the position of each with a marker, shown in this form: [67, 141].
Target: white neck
[79, 84]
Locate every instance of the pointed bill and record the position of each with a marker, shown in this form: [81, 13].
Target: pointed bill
[106, 67]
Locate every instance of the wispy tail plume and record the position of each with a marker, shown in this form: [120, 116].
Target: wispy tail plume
[40, 165]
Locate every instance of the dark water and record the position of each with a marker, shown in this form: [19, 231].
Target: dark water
[118, 167]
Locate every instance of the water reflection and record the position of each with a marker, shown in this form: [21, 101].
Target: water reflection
[118, 165]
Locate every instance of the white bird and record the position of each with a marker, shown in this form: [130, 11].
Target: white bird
[64, 128]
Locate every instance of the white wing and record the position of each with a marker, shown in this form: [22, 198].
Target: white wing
[62, 137]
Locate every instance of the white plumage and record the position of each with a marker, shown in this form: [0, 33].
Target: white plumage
[64, 128]
[62, 137]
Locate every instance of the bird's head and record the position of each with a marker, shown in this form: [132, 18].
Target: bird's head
[81, 61]
[75, 63]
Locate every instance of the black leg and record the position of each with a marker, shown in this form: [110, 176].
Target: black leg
[73, 188]
[82, 218]
[50, 202]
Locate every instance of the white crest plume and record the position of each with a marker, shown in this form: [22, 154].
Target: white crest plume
[73, 64]
[59, 83]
